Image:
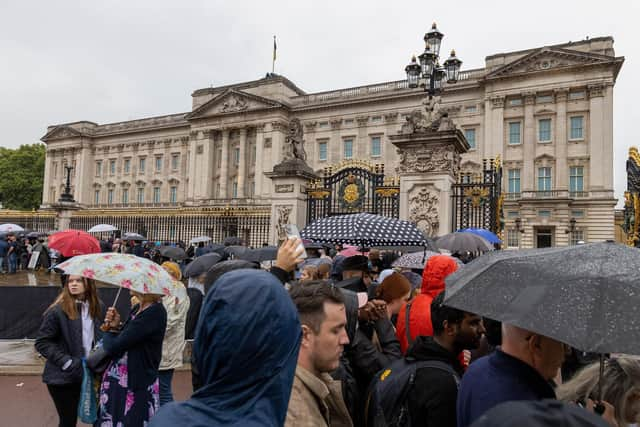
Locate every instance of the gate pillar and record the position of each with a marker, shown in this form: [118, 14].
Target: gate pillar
[289, 197]
[429, 162]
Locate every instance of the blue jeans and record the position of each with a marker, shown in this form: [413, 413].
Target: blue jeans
[13, 262]
[2, 263]
[165, 377]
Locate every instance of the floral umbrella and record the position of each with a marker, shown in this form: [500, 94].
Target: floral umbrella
[126, 271]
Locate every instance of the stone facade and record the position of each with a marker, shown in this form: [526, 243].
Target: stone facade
[547, 112]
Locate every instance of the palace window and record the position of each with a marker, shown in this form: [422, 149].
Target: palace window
[158, 163]
[141, 164]
[110, 196]
[236, 156]
[376, 119]
[516, 102]
[470, 134]
[234, 188]
[112, 167]
[470, 109]
[544, 130]
[514, 133]
[127, 165]
[513, 238]
[219, 161]
[175, 161]
[323, 125]
[514, 180]
[55, 169]
[99, 168]
[156, 194]
[322, 151]
[577, 95]
[96, 197]
[577, 124]
[376, 146]
[140, 194]
[576, 179]
[125, 196]
[173, 194]
[544, 99]
[544, 179]
[577, 236]
[348, 148]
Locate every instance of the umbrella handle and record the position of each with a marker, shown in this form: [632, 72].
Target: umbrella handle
[104, 327]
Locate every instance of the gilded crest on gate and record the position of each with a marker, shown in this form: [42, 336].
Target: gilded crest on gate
[351, 193]
[476, 195]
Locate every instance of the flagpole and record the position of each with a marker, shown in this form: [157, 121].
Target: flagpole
[273, 62]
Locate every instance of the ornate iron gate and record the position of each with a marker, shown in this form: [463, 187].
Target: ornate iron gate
[353, 187]
[477, 199]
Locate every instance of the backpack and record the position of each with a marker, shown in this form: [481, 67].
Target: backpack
[387, 402]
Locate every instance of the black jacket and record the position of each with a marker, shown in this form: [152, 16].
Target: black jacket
[141, 337]
[60, 340]
[432, 400]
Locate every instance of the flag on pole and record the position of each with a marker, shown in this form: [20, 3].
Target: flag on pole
[275, 47]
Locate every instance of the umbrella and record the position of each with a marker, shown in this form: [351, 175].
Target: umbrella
[102, 228]
[216, 248]
[417, 260]
[126, 271]
[200, 239]
[232, 241]
[586, 296]
[201, 264]
[463, 242]
[74, 242]
[265, 253]
[35, 234]
[352, 250]
[486, 234]
[8, 228]
[172, 252]
[235, 250]
[133, 236]
[365, 230]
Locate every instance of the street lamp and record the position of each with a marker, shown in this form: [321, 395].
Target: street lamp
[429, 74]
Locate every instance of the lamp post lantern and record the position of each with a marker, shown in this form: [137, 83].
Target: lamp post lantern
[428, 73]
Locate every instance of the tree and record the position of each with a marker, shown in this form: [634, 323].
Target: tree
[22, 176]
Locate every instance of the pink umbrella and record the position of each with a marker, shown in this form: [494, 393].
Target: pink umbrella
[351, 251]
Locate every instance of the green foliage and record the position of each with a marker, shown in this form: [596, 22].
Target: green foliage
[22, 176]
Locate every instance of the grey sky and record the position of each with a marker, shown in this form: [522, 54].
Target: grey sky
[116, 60]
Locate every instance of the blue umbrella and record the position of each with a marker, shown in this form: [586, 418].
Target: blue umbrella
[486, 234]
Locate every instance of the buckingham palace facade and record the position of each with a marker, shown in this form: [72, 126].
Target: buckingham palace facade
[546, 112]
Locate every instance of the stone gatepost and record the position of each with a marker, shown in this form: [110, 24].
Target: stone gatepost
[289, 198]
[429, 162]
[64, 212]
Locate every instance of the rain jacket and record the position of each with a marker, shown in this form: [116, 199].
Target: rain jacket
[437, 269]
[173, 344]
[246, 349]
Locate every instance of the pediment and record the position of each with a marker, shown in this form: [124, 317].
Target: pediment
[543, 157]
[546, 59]
[232, 102]
[61, 132]
[470, 165]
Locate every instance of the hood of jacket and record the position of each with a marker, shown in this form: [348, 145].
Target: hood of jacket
[437, 269]
[246, 350]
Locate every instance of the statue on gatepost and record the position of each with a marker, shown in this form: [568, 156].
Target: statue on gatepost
[432, 120]
[294, 142]
[631, 225]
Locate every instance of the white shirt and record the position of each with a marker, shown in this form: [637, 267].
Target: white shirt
[87, 328]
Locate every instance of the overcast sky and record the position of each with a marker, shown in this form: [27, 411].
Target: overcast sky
[115, 60]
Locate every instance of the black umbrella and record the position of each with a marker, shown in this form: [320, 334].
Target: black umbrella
[216, 248]
[224, 267]
[265, 253]
[201, 264]
[232, 241]
[365, 230]
[35, 234]
[134, 236]
[235, 250]
[172, 252]
[587, 296]
[460, 242]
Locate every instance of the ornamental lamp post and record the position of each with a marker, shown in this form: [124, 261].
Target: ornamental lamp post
[429, 74]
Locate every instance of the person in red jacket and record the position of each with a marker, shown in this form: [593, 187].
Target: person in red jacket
[419, 317]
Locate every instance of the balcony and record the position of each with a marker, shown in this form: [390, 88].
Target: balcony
[512, 196]
[135, 205]
[548, 194]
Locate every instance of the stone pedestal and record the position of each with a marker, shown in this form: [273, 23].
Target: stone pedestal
[64, 212]
[289, 197]
[429, 162]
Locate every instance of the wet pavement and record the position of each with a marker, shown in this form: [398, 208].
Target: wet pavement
[30, 278]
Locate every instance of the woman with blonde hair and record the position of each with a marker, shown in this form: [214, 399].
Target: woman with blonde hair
[620, 387]
[69, 328]
[173, 344]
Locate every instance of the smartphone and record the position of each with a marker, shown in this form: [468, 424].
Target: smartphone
[292, 232]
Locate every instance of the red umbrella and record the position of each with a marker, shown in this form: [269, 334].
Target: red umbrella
[74, 242]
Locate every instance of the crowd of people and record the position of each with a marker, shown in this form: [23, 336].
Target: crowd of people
[330, 340]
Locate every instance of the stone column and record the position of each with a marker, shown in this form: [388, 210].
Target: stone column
[560, 140]
[388, 153]
[528, 144]
[224, 168]
[429, 163]
[191, 189]
[310, 143]
[85, 174]
[361, 147]
[335, 148]
[488, 135]
[278, 134]
[46, 191]
[260, 163]
[495, 144]
[597, 158]
[242, 164]
[204, 166]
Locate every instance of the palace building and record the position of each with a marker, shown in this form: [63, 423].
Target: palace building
[546, 112]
